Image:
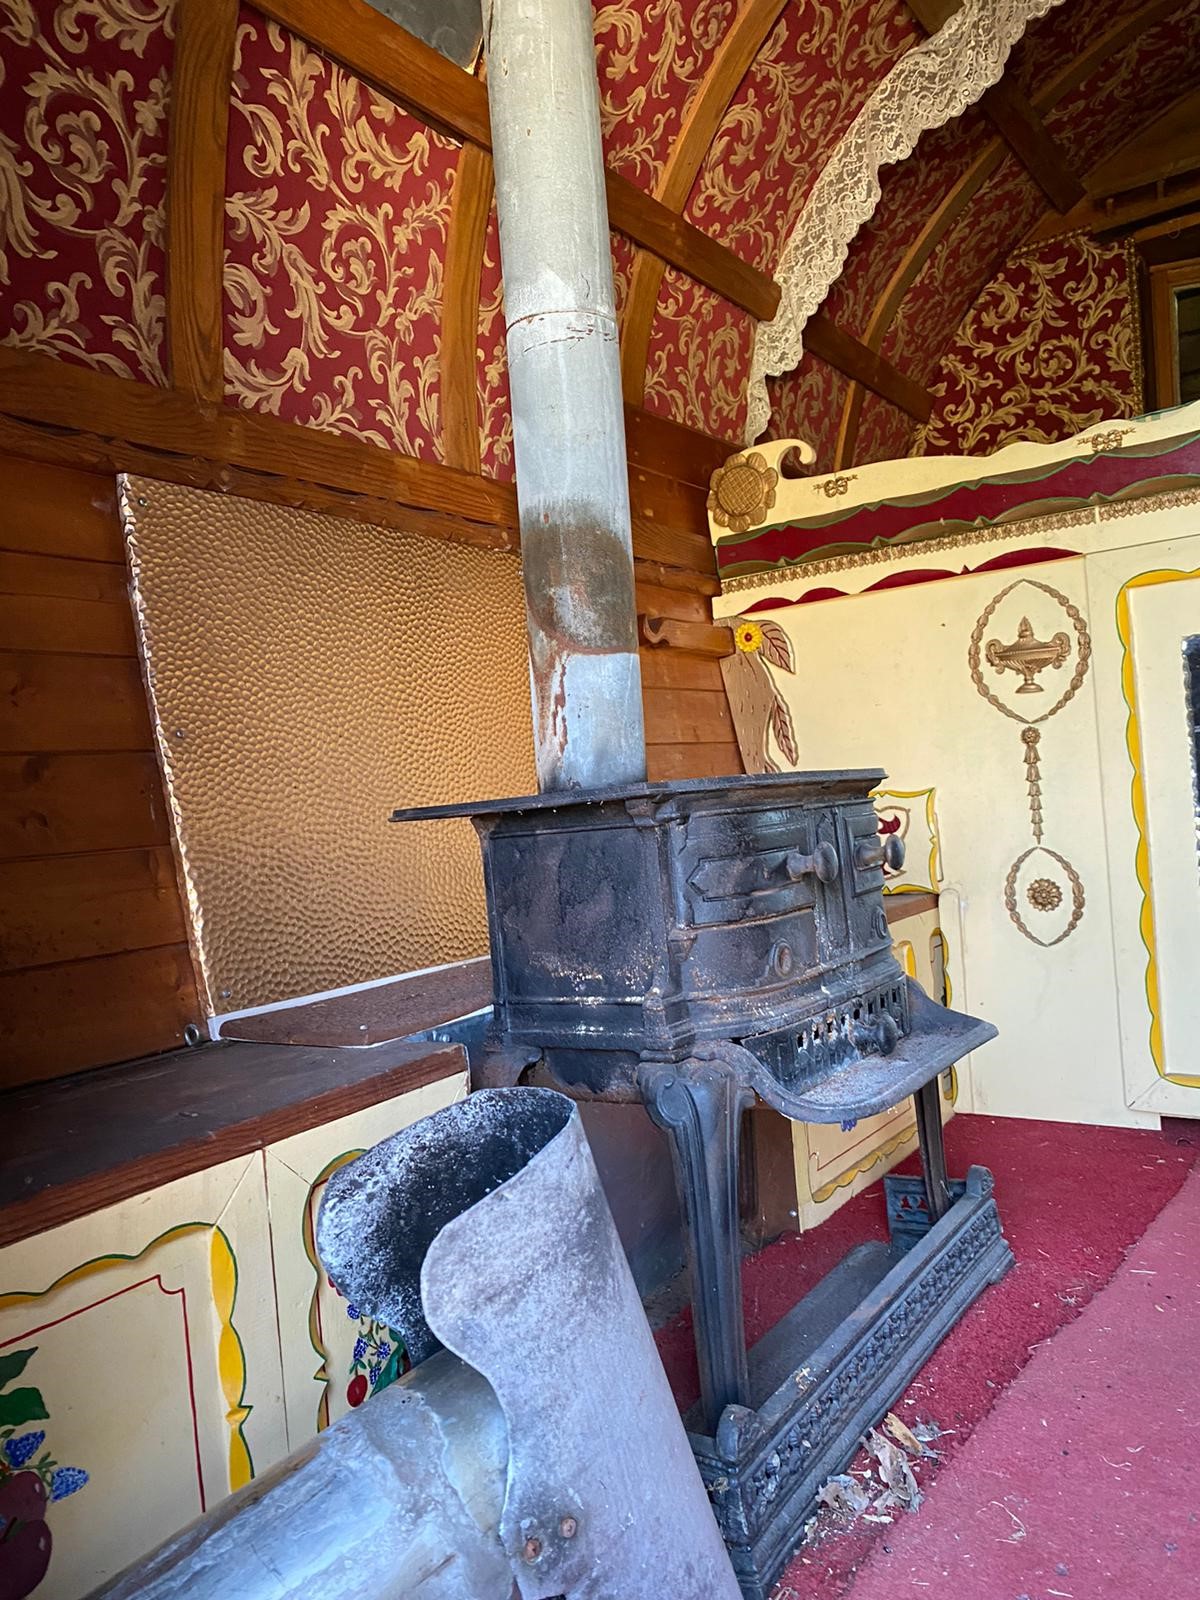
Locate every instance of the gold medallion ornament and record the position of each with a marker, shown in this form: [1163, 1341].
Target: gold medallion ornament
[1044, 894]
[742, 492]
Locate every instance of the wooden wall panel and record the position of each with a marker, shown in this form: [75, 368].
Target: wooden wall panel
[94, 962]
[689, 729]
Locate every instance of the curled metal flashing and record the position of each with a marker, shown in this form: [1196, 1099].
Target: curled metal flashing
[484, 1229]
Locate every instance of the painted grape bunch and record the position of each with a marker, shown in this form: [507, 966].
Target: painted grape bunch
[30, 1481]
[378, 1357]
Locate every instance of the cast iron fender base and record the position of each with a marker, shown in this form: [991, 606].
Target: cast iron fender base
[765, 1465]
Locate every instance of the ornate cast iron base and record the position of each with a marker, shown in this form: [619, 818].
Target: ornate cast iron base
[766, 1463]
[775, 1422]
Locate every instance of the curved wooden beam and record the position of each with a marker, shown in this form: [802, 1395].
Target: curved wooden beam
[705, 114]
[1080, 67]
[470, 207]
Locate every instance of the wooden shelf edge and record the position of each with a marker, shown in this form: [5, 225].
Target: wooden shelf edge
[64, 1202]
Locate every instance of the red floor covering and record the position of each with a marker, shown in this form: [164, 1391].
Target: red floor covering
[1072, 1200]
[1082, 1481]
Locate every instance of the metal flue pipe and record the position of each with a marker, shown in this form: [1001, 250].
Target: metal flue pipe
[564, 374]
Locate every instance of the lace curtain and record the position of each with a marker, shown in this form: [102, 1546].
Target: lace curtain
[931, 84]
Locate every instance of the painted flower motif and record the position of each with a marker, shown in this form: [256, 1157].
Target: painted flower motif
[748, 637]
[360, 1349]
[21, 1449]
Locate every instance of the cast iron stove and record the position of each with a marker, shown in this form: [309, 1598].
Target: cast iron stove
[693, 944]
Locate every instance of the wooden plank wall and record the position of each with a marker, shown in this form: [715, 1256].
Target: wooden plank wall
[689, 728]
[94, 961]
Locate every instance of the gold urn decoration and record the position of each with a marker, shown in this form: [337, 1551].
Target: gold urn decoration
[742, 492]
[1027, 655]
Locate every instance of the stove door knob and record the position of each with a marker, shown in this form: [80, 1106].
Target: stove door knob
[893, 852]
[823, 864]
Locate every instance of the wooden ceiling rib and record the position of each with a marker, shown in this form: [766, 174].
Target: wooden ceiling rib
[465, 239]
[1025, 134]
[1094, 53]
[867, 367]
[392, 60]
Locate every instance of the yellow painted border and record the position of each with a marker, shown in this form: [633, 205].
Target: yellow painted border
[935, 844]
[1141, 860]
[231, 1354]
[321, 1375]
[880, 1153]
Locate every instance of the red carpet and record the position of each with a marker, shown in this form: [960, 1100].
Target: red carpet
[1072, 1199]
[1083, 1480]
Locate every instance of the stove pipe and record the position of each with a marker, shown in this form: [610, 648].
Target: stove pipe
[564, 374]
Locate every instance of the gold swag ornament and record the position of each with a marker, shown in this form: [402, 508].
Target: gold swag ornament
[742, 492]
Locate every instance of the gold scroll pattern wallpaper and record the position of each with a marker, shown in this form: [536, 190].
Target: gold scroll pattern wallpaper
[307, 676]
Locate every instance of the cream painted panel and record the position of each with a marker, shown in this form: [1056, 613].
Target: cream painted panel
[1155, 941]
[331, 1359]
[882, 679]
[156, 1358]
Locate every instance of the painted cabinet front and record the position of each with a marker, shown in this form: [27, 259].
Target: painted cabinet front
[157, 1355]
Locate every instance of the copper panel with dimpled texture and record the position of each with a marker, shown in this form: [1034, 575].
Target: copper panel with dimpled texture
[306, 676]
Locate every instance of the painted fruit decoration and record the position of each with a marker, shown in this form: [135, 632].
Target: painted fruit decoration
[30, 1481]
[378, 1357]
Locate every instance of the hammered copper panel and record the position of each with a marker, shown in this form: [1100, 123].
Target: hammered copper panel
[307, 676]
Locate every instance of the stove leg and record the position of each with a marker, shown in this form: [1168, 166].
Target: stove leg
[933, 1149]
[700, 1104]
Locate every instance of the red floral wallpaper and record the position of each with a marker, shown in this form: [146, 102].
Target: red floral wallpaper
[336, 214]
[495, 410]
[651, 57]
[698, 358]
[1051, 41]
[884, 431]
[339, 204]
[1049, 348]
[84, 92]
[965, 258]
[1129, 90]
[806, 403]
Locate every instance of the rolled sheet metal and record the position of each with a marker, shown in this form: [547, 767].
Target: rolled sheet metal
[535, 1449]
[399, 1501]
[484, 1229]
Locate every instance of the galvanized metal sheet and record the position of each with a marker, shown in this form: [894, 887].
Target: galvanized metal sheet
[528, 1284]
